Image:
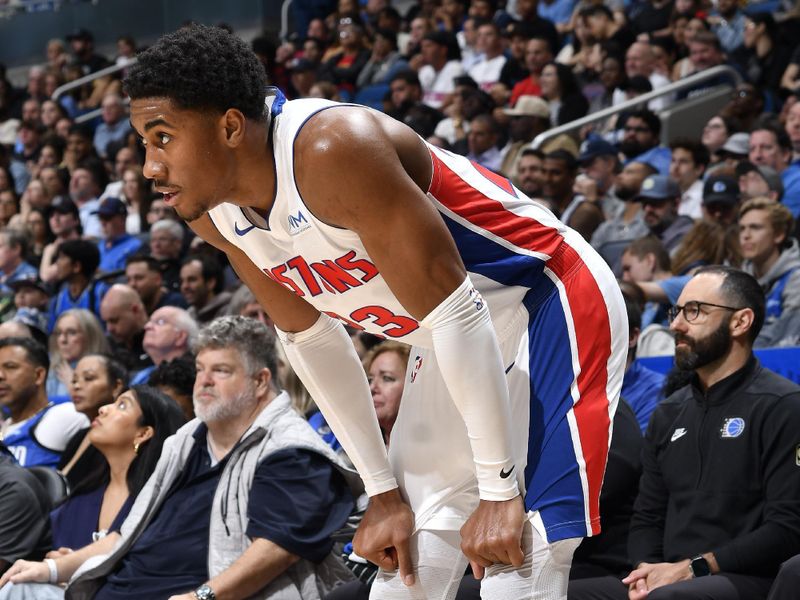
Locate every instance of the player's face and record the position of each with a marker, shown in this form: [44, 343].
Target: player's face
[185, 155]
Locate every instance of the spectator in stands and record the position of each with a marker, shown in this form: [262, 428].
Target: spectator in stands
[529, 117]
[30, 292]
[600, 166]
[762, 57]
[128, 436]
[76, 263]
[642, 388]
[538, 53]
[640, 141]
[559, 171]
[168, 334]
[529, 177]
[486, 71]
[628, 224]
[687, 167]
[407, 106]
[77, 332]
[660, 197]
[442, 64]
[82, 43]
[24, 508]
[342, 68]
[166, 245]
[65, 224]
[143, 274]
[482, 140]
[386, 367]
[115, 125]
[735, 149]
[303, 76]
[602, 26]
[516, 36]
[124, 158]
[705, 52]
[646, 261]
[202, 287]
[745, 106]
[741, 538]
[793, 130]
[84, 189]
[728, 23]
[26, 323]
[13, 249]
[715, 134]
[80, 147]
[560, 89]
[138, 198]
[278, 456]
[721, 198]
[96, 381]
[771, 255]
[125, 317]
[36, 431]
[468, 102]
[771, 147]
[640, 62]
[759, 181]
[116, 245]
[175, 378]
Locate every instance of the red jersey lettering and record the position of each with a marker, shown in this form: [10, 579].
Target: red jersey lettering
[367, 268]
[335, 275]
[277, 273]
[299, 264]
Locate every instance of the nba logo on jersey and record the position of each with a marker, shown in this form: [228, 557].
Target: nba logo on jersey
[298, 223]
[417, 367]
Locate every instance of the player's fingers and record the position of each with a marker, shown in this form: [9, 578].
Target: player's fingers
[403, 551]
[516, 556]
[385, 560]
[477, 570]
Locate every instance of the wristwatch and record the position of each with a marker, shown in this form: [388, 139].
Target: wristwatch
[699, 567]
[204, 593]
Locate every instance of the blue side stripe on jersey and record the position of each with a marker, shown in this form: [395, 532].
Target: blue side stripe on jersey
[553, 486]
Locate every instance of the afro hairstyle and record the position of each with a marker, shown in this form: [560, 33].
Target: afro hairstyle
[201, 68]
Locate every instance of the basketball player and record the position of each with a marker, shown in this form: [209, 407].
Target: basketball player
[336, 213]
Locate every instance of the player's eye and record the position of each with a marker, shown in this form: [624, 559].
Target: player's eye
[164, 139]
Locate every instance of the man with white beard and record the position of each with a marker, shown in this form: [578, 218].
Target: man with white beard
[212, 520]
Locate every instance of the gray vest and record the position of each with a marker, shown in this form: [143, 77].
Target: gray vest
[277, 427]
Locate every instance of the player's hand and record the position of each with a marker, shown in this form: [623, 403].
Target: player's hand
[383, 535]
[26, 571]
[493, 534]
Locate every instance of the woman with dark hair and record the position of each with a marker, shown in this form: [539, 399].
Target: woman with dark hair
[129, 435]
[37, 225]
[96, 381]
[762, 57]
[560, 89]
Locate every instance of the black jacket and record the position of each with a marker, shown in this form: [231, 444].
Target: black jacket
[721, 473]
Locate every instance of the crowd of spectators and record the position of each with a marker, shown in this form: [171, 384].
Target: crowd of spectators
[103, 289]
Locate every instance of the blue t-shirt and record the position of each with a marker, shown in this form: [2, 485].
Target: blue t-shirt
[89, 299]
[297, 501]
[791, 188]
[642, 389]
[114, 254]
[75, 521]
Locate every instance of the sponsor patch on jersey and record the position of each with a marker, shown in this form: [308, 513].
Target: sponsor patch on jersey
[732, 427]
[476, 298]
[298, 223]
[678, 433]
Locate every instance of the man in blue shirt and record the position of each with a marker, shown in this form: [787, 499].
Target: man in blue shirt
[76, 264]
[117, 245]
[115, 125]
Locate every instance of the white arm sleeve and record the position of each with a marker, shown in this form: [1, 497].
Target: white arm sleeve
[325, 360]
[469, 357]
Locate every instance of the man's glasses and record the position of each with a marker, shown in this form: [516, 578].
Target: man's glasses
[692, 309]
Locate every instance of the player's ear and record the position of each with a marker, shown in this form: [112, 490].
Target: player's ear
[233, 124]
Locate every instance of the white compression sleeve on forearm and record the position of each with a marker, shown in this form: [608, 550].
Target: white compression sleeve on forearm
[469, 358]
[325, 360]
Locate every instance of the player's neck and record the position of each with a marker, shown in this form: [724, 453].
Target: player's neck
[255, 166]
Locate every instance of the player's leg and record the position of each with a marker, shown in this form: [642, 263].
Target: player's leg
[439, 566]
[543, 576]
